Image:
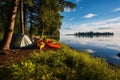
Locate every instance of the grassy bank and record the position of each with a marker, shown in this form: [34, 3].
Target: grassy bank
[62, 64]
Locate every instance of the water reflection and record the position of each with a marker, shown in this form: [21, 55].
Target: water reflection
[103, 46]
[92, 36]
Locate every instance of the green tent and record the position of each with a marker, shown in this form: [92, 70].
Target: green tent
[20, 41]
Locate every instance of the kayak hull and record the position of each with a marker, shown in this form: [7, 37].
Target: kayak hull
[52, 45]
[41, 44]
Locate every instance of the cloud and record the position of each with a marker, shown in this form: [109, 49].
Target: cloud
[102, 28]
[116, 10]
[68, 28]
[90, 15]
[67, 9]
[109, 25]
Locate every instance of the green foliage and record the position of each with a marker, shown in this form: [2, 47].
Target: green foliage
[42, 17]
[62, 64]
[49, 15]
[20, 71]
[1, 36]
[29, 2]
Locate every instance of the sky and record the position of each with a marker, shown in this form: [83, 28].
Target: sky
[92, 15]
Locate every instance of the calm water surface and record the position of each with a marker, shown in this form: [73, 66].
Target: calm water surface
[105, 47]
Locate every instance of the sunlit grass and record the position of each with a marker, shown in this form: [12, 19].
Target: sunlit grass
[61, 64]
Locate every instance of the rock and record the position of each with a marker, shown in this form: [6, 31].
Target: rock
[118, 54]
[90, 51]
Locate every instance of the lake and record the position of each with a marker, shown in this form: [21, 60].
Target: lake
[106, 47]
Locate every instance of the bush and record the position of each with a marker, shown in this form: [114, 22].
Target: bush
[62, 64]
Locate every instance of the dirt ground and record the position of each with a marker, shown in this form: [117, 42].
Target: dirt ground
[16, 55]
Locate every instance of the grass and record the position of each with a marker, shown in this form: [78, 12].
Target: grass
[62, 64]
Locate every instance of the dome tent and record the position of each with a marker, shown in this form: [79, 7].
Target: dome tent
[20, 41]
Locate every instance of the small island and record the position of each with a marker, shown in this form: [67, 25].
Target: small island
[92, 34]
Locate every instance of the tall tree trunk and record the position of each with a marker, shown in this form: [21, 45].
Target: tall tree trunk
[42, 31]
[24, 12]
[22, 17]
[9, 29]
[31, 23]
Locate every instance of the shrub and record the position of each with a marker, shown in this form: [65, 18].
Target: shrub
[62, 64]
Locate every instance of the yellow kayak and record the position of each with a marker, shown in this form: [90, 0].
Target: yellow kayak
[41, 45]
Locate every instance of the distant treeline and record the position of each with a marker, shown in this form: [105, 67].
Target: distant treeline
[93, 34]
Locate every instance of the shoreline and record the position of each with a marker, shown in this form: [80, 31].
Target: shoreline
[110, 64]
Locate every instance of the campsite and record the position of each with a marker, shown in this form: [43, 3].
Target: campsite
[42, 40]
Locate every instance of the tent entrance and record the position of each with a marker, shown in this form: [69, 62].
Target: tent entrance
[20, 41]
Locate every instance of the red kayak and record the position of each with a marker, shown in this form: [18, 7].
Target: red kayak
[49, 41]
[53, 45]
